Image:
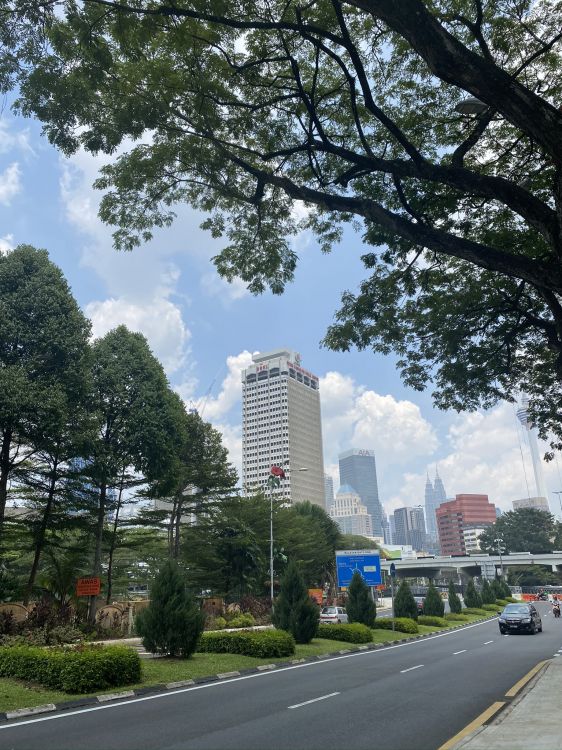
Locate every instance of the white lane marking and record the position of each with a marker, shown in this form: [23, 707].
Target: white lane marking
[486, 642]
[402, 671]
[314, 700]
[207, 685]
[455, 653]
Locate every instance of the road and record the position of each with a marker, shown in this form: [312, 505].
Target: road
[411, 696]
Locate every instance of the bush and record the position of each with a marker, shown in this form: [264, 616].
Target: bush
[260, 643]
[501, 602]
[487, 593]
[456, 617]
[475, 611]
[511, 600]
[438, 622]
[360, 606]
[172, 623]
[433, 604]
[57, 636]
[404, 602]
[258, 607]
[454, 602]
[294, 611]
[497, 589]
[241, 621]
[354, 633]
[217, 624]
[402, 624]
[79, 670]
[491, 607]
[505, 591]
[472, 598]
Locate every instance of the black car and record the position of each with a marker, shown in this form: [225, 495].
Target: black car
[520, 618]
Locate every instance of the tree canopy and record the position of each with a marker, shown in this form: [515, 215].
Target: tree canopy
[522, 530]
[245, 108]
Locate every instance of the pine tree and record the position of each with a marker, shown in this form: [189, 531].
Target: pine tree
[404, 602]
[454, 602]
[294, 611]
[172, 624]
[472, 598]
[433, 604]
[488, 594]
[496, 589]
[360, 605]
[505, 590]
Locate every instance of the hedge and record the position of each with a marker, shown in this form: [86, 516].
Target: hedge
[491, 607]
[261, 643]
[455, 617]
[512, 600]
[402, 624]
[502, 602]
[80, 670]
[475, 611]
[438, 622]
[353, 633]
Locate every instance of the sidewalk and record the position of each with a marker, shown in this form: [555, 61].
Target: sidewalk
[532, 720]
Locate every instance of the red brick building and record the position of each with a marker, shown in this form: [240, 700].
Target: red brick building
[465, 511]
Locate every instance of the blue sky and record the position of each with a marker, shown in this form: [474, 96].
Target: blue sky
[204, 330]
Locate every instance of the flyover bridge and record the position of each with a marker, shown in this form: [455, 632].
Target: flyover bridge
[473, 565]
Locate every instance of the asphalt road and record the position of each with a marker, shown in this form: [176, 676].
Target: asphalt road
[408, 697]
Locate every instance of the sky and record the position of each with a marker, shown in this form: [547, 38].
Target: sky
[205, 330]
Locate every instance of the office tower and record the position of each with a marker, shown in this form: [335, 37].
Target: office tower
[456, 516]
[392, 529]
[328, 491]
[281, 426]
[350, 514]
[530, 432]
[358, 469]
[434, 496]
[386, 529]
[540, 503]
[410, 527]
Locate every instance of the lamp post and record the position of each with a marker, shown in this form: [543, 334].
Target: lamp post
[499, 542]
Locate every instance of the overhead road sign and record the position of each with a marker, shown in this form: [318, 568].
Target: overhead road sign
[366, 561]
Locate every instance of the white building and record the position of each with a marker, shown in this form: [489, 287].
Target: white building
[472, 539]
[281, 426]
[350, 514]
[540, 503]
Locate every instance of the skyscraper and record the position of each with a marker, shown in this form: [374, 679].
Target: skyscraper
[358, 469]
[434, 496]
[328, 491]
[350, 514]
[281, 426]
[410, 527]
[456, 516]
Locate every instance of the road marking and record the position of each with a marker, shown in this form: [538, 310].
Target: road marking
[402, 671]
[524, 680]
[314, 700]
[487, 642]
[478, 722]
[455, 653]
[206, 686]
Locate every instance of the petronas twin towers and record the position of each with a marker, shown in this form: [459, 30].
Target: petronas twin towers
[434, 496]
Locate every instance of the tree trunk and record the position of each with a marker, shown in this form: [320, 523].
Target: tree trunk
[40, 538]
[113, 542]
[5, 466]
[96, 570]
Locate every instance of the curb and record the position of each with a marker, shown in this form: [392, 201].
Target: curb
[103, 698]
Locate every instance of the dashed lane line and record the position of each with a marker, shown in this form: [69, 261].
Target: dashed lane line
[418, 666]
[456, 653]
[313, 700]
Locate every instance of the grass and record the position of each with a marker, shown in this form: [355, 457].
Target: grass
[16, 694]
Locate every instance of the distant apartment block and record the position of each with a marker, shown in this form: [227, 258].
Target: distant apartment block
[540, 503]
[456, 516]
[409, 527]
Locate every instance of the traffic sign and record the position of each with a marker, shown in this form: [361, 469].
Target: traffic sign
[366, 561]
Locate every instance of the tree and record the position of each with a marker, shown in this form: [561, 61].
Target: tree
[43, 360]
[454, 602]
[488, 593]
[294, 610]
[433, 603]
[496, 589]
[356, 110]
[522, 530]
[505, 591]
[472, 598]
[533, 575]
[360, 606]
[172, 623]
[404, 602]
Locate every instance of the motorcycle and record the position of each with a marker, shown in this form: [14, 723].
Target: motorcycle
[556, 610]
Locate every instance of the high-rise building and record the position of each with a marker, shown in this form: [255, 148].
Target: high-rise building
[434, 496]
[386, 529]
[328, 491]
[456, 516]
[350, 514]
[539, 503]
[530, 433]
[358, 469]
[281, 426]
[410, 527]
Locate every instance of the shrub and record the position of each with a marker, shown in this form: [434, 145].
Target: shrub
[8, 624]
[505, 591]
[501, 602]
[360, 605]
[456, 617]
[79, 670]
[454, 602]
[218, 623]
[497, 589]
[433, 604]
[472, 598]
[294, 611]
[261, 643]
[241, 621]
[491, 607]
[402, 624]
[404, 602]
[488, 595]
[354, 633]
[258, 607]
[511, 599]
[438, 622]
[172, 623]
[475, 611]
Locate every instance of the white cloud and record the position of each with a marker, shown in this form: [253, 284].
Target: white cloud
[6, 244]
[231, 388]
[215, 286]
[158, 319]
[18, 141]
[10, 183]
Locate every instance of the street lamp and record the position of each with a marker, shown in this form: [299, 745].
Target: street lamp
[471, 106]
[499, 542]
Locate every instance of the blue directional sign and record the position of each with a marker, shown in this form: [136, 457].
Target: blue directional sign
[366, 561]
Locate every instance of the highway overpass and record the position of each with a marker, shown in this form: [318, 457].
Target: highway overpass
[472, 565]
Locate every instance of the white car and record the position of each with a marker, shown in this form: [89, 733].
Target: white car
[333, 615]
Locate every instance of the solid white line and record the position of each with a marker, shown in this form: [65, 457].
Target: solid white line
[207, 685]
[486, 642]
[459, 652]
[314, 700]
[402, 671]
